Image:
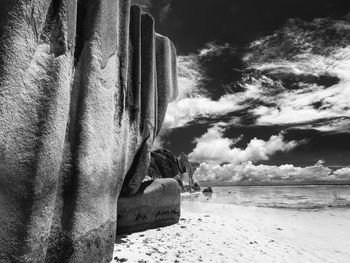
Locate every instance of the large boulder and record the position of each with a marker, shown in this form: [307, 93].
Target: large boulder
[84, 86]
[165, 164]
[157, 204]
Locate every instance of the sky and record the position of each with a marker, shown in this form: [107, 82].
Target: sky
[264, 88]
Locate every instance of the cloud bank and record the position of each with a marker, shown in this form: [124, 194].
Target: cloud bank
[222, 162]
[248, 173]
[214, 148]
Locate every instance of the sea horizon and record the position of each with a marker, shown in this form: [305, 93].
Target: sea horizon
[223, 184]
[304, 197]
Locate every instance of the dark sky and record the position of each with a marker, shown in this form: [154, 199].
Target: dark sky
[191, 24]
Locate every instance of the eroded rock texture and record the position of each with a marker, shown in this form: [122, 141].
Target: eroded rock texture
[164, 164]
[84, 86]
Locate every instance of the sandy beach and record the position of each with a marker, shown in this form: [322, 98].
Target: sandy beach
[230, 233]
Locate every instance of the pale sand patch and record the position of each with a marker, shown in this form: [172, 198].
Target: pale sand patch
[229, 233]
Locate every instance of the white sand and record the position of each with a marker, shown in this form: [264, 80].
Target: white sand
[228, 233]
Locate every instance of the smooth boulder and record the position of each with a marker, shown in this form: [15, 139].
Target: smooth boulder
[157, 204]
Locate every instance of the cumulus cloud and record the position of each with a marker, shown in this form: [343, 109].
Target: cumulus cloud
[343, 173]
[248, 173]
[222, 162]
[181, 112]
[214, 148]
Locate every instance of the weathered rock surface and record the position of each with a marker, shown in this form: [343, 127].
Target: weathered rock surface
[164, 164]
[84, 87]
[157, 204]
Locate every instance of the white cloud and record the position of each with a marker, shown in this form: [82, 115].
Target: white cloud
[343, 173]
[281, 106]
[213, 49]
[278, 103]
[296, 106]
[297, 51]
[213, 148]
[192, 101]
[190, 75]
[264, 174]
[181, 112]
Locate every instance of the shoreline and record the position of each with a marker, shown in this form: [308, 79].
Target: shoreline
[209, 232]
[321, 183]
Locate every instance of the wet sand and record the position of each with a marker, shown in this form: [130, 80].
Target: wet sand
[230, 233]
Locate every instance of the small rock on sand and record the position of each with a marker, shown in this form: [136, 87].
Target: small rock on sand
[120, 259]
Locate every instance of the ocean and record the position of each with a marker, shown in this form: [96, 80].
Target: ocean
[286, 197]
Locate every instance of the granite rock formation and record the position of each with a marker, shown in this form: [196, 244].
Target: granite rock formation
[84, 86]
[164, 164]
[157, 204]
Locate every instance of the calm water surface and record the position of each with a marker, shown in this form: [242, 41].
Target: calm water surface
[290, 197]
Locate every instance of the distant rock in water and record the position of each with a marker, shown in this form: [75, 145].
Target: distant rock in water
[164, 164]
[207, 190]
